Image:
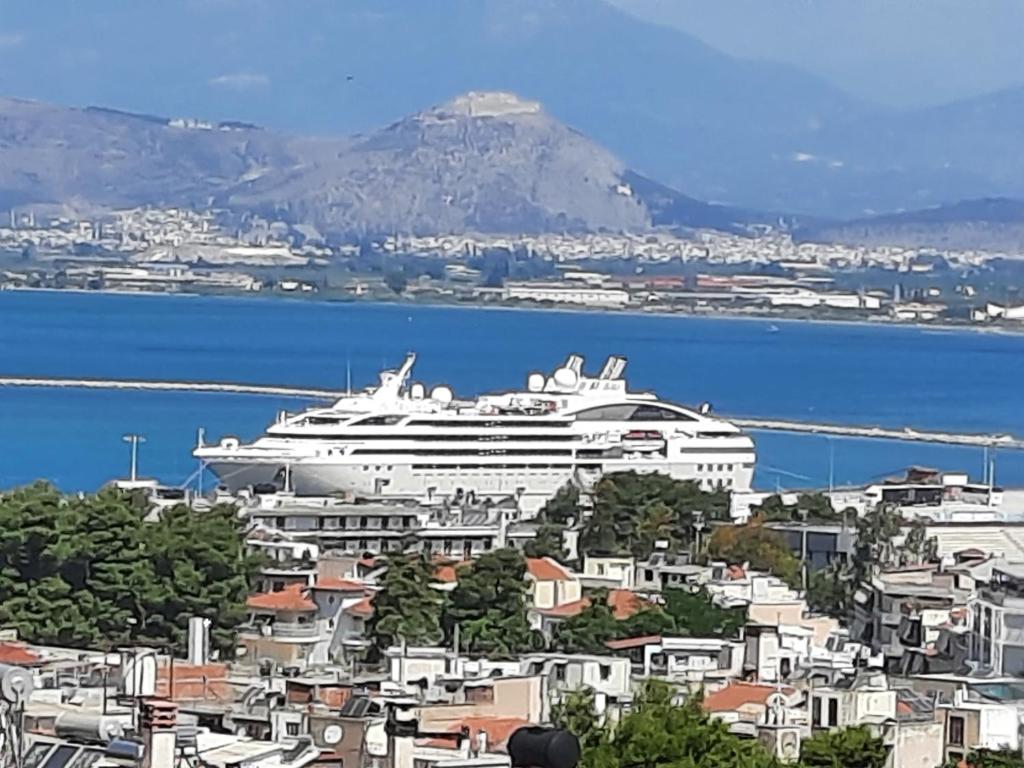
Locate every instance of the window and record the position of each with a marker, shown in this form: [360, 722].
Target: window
[560, 672]
[292, 729]
[956, 731]
[605, 671]
[657, 413]
[816, 712]
[833, 712]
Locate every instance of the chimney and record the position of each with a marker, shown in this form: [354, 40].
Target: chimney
[159, 717]
[198, 640]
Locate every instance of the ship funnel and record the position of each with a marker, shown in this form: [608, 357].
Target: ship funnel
[613, 368]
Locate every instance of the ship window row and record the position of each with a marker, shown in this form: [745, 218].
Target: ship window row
[462, 452]
[539, 422]
[715, 467]
[631, 412]
[489, 466]
[433, 437]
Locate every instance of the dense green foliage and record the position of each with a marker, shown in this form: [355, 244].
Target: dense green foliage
[992, 758]
[489, 606]
[813, 507]
[406, 609]
[696, 615]
[560, 511]
[87, 571]
[632, 511]
[762, 548]
[685, 613]
[830, 590]
[845, 748]
[658, 733]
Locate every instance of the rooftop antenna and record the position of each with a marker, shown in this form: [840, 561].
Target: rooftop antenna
[348, 375]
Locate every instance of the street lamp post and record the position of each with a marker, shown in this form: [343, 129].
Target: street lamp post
[134, 440]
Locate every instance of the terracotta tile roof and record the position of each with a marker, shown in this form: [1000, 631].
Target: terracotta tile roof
[448, 572]
[341, 585]
[363, 608]
[625, 604]
[18, 653]
[738, 694]
[633, 642]
[294, 597]
[566, 610]
[498, 730]
[547, 569]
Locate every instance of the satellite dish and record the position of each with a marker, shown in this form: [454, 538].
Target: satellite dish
[535, 382]
[442, 395]
[417, 391]
[566, 378]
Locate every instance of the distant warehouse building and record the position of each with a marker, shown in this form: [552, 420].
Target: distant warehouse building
[561, 293]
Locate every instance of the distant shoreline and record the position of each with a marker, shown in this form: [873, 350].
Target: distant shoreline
[938, 327]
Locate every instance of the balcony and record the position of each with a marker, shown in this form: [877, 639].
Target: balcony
[285, 631]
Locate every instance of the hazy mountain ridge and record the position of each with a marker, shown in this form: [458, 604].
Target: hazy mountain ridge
[483, 162]
[995, 224]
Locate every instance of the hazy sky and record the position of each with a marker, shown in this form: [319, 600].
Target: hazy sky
[902, 52]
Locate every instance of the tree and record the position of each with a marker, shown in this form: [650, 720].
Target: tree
[589, 630]
[1004, 757]
[844, 748]
[632, 511]
[560, 511]
[877, 531]
[918, 546]
[761, 547]
[661, 733]
[830, 590]
[489, 606]
[576, 713]
[696, 615]
[396, 281]
[89, 571]
[406, 608]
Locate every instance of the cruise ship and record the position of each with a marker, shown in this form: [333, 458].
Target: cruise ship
[399, 440]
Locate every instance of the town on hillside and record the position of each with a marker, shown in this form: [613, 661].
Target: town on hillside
[655, 619]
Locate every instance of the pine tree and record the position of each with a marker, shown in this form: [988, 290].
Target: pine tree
[406, 609]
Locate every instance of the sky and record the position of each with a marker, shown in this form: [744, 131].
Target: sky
[906, 53]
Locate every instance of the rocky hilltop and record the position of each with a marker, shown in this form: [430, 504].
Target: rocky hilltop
[484, 161]
[490, 162]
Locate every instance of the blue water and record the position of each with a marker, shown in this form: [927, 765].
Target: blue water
[892, 376]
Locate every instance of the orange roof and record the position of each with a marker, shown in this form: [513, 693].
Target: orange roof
[498, 729]
[341, 585]
[363, 608]
[293, 597]
[546, 569]
[633, 642]
[625, 604]
[19, 654]
[738, 694]
[448, 572]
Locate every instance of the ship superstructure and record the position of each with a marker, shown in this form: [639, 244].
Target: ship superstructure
[400, 440]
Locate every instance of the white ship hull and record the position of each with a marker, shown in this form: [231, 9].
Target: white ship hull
[392, 443]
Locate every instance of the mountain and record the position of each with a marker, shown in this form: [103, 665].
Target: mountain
[671, 107]
[481, 162]
[995, 224]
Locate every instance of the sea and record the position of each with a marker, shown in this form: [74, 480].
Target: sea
[893, 376]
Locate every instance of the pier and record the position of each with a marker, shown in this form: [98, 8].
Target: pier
[906, 434]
